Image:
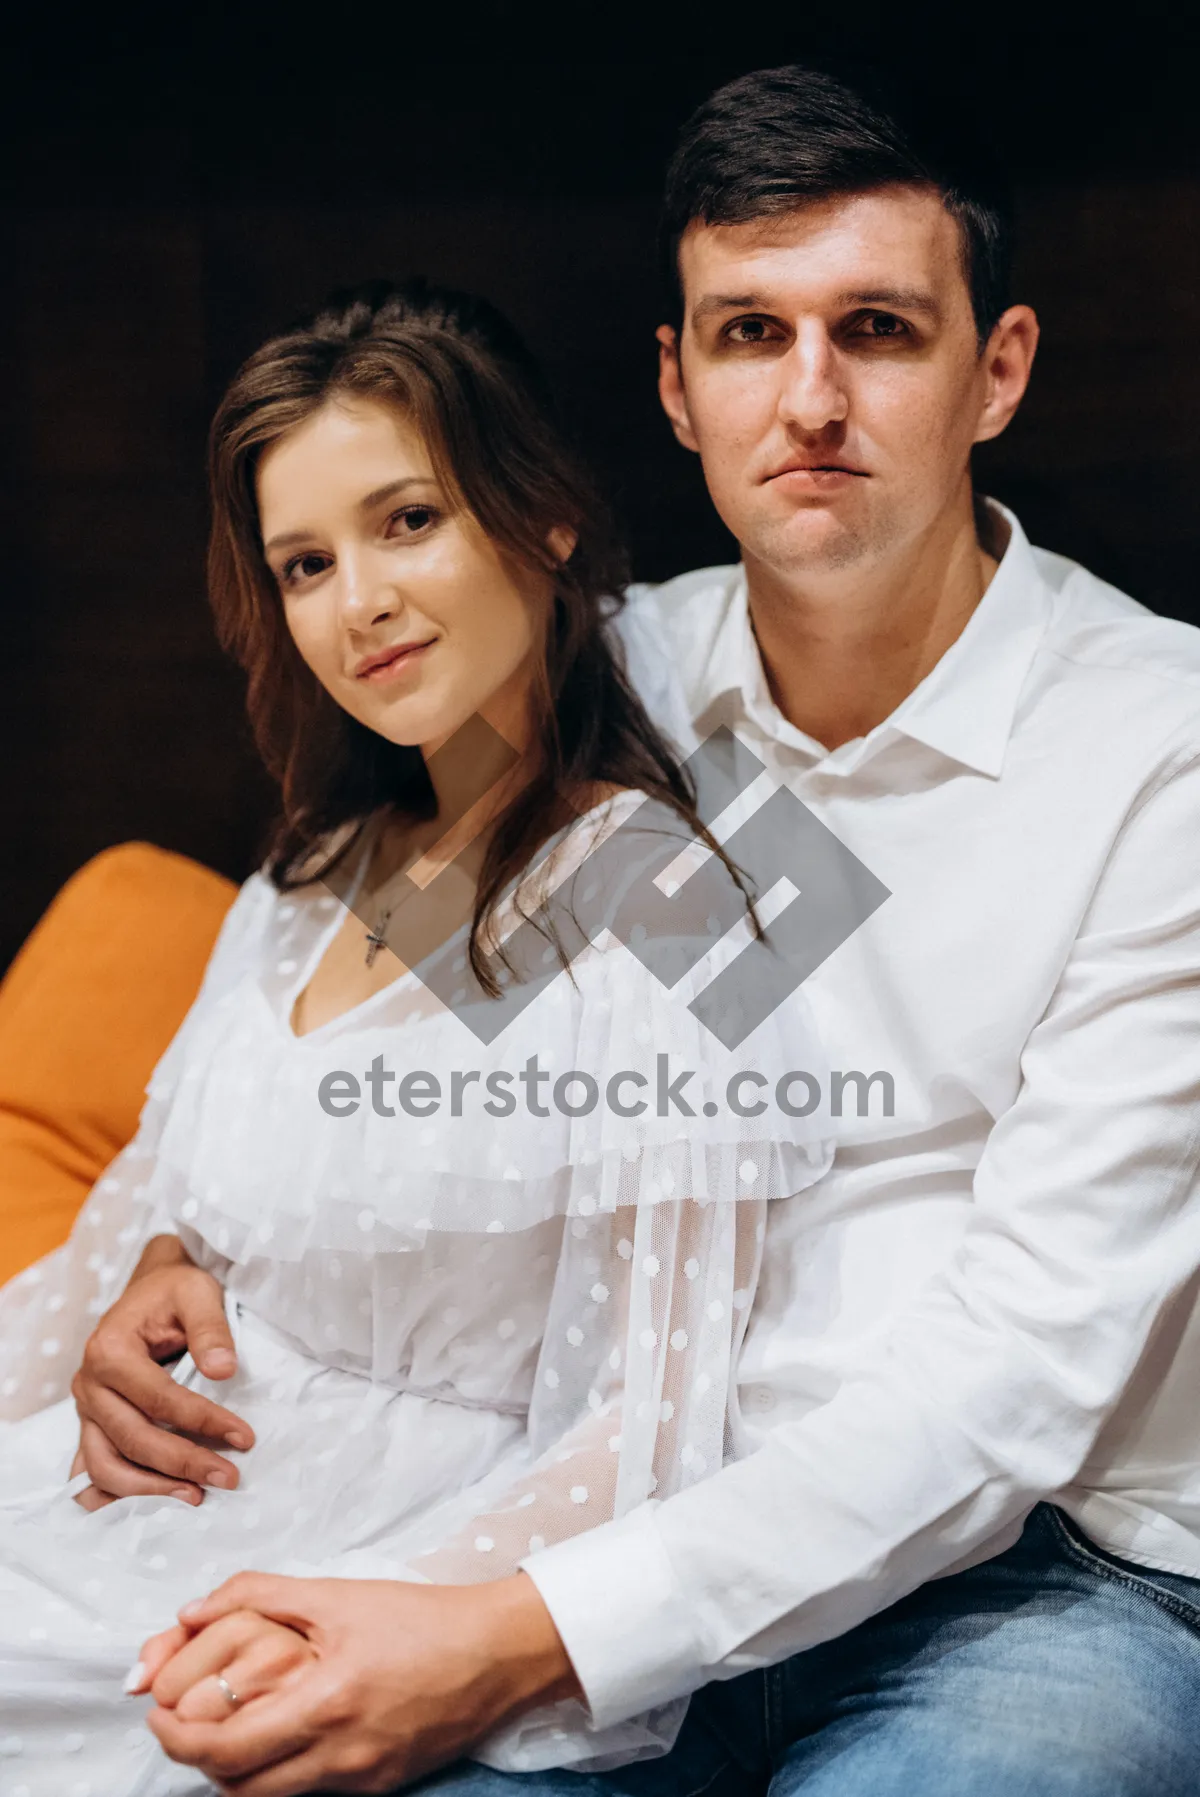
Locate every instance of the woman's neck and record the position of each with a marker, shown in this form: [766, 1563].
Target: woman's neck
[474, 761]
[475, 774]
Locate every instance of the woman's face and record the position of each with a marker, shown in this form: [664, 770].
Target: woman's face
[407, 613]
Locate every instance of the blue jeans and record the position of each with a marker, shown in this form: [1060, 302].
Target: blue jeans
[1053, 1670]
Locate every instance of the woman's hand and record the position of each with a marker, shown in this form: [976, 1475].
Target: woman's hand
[252, 1653]
[401, 1678]
[135, 1420]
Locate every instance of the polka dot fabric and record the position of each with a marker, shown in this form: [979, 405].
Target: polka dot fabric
[461, 1337]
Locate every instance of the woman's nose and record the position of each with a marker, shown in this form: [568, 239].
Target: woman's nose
[366, 593]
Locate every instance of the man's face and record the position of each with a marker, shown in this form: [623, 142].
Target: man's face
[828, 372]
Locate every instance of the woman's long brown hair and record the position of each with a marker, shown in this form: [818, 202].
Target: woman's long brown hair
[454, 366]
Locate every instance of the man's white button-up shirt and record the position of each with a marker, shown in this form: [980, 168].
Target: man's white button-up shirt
[992, 1297]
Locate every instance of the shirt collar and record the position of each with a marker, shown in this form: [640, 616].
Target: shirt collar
[963, 708]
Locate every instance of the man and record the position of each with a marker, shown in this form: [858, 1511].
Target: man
[988, 1304]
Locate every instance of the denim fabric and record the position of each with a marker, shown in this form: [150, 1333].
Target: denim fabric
[1054, 1670]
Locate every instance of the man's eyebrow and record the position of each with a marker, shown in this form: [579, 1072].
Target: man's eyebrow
[901, 299]
[727, 302]
[286, 538]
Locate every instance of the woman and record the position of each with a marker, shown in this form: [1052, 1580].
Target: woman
[484, 1292]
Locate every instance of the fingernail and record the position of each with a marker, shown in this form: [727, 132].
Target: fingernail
[225, 1480]
[236, 1440]
[187, 1493]
[189, 1611]
[133, 1679]
[218, 1360]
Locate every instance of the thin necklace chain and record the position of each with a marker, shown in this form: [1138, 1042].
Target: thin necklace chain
[374, 938]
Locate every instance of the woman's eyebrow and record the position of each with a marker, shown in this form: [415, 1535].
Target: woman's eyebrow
[286, 538]
[392, 488]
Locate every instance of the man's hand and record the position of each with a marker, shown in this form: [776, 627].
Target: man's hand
[128, 1403]
[403, 1678]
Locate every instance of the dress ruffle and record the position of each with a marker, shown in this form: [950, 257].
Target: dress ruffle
[243, 1137]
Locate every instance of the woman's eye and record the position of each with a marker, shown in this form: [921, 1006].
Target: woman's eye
[413, 520]
[304, 567]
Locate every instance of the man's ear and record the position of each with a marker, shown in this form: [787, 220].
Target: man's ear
[1008, 362]
[670, 386]
[561, 542]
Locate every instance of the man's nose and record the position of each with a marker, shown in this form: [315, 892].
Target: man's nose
[813, 390]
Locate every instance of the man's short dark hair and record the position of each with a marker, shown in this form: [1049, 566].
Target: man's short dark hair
[770, 141]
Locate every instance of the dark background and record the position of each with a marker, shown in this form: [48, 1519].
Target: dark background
[174, 190]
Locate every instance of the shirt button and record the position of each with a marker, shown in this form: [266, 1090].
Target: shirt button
[761, 1397]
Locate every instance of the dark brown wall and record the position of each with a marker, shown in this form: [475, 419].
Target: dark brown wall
[150, 245]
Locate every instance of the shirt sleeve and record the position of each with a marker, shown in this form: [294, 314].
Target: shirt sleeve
[988, 1391]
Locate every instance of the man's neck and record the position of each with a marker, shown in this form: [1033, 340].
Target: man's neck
[841, 652]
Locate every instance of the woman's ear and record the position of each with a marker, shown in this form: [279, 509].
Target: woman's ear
[562, 541]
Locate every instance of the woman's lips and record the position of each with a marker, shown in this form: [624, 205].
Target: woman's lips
[396, 664]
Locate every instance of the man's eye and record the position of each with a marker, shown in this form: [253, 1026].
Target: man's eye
[749, 330]
[884, 324]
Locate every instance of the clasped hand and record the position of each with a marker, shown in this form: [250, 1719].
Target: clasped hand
[346, 1684]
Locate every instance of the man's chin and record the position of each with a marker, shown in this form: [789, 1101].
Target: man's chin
[812, 542]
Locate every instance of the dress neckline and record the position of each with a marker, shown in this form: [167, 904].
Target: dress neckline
[317, 952]
[282, 1012]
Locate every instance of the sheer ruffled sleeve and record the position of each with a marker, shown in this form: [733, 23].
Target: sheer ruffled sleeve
[48, 1311]
[630, 1402]
[661, 1246]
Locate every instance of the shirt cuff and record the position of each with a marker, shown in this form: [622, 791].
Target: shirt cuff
[614, 1598]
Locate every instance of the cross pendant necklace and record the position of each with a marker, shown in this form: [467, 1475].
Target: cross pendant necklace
[375, 938]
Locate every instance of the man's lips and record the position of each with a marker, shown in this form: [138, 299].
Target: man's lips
[817, 472]
[389, 661]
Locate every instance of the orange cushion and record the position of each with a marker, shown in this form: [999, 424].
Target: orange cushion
[86, 1010]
